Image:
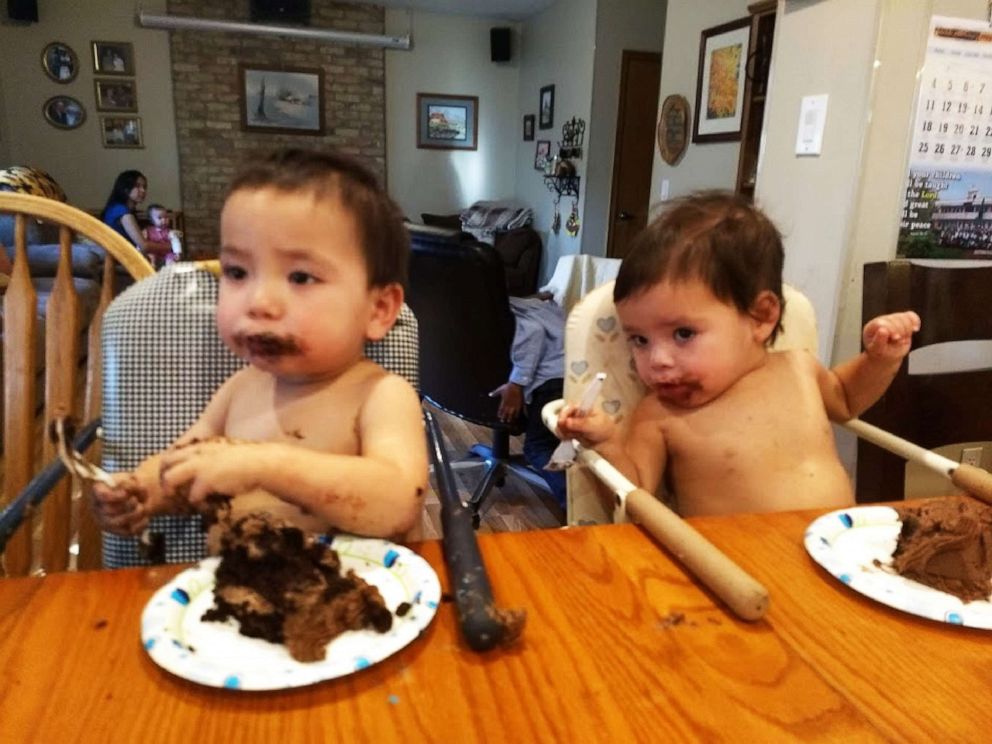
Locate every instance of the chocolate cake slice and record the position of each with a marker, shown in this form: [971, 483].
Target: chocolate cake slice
[286, 586]
[947, 544]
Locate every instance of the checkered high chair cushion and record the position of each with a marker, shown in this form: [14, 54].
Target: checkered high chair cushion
[163, 360]
[594, 342]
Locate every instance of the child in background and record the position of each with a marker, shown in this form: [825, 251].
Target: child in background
[313, 257]
[160, 234]
[729, 425]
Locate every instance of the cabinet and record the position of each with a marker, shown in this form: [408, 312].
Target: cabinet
[755, 91]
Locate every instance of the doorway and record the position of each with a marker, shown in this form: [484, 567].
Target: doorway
[633, 153]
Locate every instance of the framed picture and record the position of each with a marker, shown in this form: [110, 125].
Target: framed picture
[115, 95]
[723, 54]
[546, 107]
[64, 112]
[529, 128]
[447, 122]
[541, 153]
[286, 100]
[113, 58]
[60, 62]
[121, 131]
[673, 129]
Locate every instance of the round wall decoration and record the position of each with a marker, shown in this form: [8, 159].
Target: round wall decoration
[673, 128]
[60, 62]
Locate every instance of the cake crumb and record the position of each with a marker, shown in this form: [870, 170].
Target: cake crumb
[100, 624]
[402, 608]
[672, 619]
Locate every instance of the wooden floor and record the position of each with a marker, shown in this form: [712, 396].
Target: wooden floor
[515, 507]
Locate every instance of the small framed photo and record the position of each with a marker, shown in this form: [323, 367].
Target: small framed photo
[529, 128]
[282, 101]
[541, 153]
[64, 112]
[60, 62]
[546, 107]
[121, 131]
[113, 58]
[720, 81]
[115, 95]
[447, 122]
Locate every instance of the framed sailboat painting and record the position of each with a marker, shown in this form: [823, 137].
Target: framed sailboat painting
[282, 101]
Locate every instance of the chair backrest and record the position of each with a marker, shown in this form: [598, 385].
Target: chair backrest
[58, 357]
[941, 398]
[164, 360]
[594, 342]
[458, 293]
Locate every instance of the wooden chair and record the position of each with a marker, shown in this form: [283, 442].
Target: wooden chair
[931, 403]
[66, 389]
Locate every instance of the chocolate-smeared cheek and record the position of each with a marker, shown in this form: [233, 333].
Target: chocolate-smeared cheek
[269, 344]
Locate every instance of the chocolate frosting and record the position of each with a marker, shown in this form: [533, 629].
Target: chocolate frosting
[947, 544]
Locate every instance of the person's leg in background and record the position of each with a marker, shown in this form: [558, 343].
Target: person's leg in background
[539, 442]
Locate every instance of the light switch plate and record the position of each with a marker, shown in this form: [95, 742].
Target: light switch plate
[812, 119]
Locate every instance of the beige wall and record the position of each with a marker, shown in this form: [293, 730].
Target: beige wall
[711, 165]
[77, 158]
[450, 55]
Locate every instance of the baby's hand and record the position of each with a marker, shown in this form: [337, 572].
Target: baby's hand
[888, 337]
[209, 467]
[590, 429]
[119, 509]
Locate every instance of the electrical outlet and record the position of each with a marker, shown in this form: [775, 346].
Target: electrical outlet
[972, 456]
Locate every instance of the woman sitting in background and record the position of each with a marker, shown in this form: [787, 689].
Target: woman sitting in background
[128, 192]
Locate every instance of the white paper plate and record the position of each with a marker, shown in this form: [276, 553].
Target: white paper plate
[849, 541]
[216, 654]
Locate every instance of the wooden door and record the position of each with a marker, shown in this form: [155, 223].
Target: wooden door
[633, 154]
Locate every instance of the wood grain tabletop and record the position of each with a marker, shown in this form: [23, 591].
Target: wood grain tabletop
[619, 646]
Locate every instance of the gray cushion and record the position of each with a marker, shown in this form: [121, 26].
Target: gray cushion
[43, 258]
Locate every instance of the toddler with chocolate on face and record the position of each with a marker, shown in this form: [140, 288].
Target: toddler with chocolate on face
[313, 258]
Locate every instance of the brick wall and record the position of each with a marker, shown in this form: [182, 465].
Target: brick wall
[208, 101]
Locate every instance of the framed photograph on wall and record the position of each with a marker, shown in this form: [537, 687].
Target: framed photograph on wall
[541, 153]
[286, 100]
[447, 122]
[60, 62]
[546, 107]
[113, 58]
[121, 131]
[720, 81]
[529, 128]
[115, 95]
[64, 112]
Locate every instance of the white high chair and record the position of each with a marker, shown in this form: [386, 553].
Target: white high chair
[594, 342]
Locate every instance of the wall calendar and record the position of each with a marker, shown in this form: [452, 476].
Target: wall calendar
[947, 208]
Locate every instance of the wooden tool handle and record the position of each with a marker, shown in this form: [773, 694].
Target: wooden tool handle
[739, 590]
[974, 481]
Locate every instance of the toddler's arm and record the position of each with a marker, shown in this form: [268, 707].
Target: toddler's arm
[138, 495]
[640, 456]
[377, 493]
[853, 386]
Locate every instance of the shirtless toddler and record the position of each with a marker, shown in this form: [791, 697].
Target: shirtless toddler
[729, 425]
[313, 258]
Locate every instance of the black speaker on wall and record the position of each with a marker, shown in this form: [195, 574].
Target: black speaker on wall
[25, 11]
[499, 44]
[296, 12]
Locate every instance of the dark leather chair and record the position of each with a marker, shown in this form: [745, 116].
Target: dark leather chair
[929, 408]
[458, 293]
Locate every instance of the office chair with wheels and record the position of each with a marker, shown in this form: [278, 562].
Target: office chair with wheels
[458, 293]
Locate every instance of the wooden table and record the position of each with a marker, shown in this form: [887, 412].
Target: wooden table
[603, 658]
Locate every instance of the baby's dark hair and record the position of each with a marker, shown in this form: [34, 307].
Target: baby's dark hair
[384, 237]
[715, 237]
